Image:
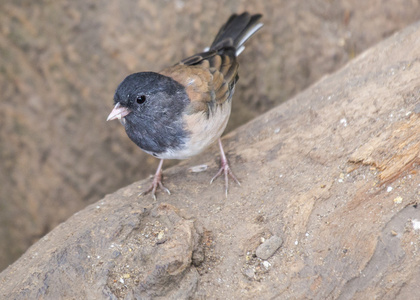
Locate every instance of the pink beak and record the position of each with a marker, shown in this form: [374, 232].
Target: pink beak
[118, 112]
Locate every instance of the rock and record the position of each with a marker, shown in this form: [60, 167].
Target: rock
[120, 255]
[57, 153]
[249, 273]
[269, 247]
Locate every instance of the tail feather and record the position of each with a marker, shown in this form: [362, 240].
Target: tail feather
[236, 31]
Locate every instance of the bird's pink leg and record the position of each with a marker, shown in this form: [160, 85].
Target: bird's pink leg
[224, 168]
[157, 181]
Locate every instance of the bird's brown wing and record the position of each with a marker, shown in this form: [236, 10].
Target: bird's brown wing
[209, 78]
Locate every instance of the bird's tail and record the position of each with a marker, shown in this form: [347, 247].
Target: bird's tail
[237, 30]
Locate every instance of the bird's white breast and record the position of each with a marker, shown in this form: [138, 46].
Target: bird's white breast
[204, 130]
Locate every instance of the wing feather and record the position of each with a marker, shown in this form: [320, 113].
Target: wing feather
[209, 78]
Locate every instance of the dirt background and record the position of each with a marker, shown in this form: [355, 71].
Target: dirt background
[60, 62]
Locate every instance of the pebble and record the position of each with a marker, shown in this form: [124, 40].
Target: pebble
[398, 200]
[250, 273]
[269, 247]
[266, 264]
[115, 254]
[199, 168]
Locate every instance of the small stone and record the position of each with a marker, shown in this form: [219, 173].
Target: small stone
[343, 122]
[398, 200]
[249, 272]
[416, 224]
[266, 264]
[115, 254]
[269, 247]
[197, 169]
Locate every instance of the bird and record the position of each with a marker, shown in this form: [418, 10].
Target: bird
[183, 109]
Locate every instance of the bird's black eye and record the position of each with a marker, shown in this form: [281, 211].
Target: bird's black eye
[141, 99]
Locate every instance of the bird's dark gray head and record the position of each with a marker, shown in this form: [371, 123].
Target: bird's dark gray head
[154, 105]
[139, 90]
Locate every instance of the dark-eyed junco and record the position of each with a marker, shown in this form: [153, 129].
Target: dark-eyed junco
[180, 111]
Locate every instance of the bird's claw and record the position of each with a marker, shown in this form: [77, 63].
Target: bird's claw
[226, 170]
[153, 188]
[157, 181]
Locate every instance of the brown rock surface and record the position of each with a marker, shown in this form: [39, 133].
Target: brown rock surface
[61, 61]
[312, 173]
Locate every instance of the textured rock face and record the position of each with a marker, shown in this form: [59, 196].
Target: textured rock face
[134, 253]
[61, 61]
[331, 177]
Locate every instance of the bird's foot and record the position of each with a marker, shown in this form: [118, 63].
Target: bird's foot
[157, 182]
[225, 169]
[153, 187]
